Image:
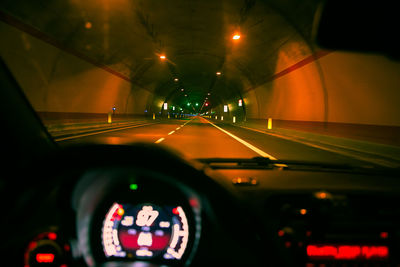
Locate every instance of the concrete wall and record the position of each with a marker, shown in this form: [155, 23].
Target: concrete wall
[362, 88]
[56, 81]
[338, 87]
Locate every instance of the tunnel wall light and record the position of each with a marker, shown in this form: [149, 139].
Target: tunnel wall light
[165, 106]
[225, 108]
[240, 103]
[88, 25]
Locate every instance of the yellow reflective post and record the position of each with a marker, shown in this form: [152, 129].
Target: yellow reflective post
[154, 116]
[234, 119]
[109, 117]
[222, 118]
[269, 126]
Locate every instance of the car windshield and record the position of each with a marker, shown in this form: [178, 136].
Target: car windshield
[209, 78]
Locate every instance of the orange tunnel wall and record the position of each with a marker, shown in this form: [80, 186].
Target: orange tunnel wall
[337, 87]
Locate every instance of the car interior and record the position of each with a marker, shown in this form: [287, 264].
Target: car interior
[145, 204]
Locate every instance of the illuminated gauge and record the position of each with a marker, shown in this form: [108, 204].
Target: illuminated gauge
[145, 231]
[47, 249]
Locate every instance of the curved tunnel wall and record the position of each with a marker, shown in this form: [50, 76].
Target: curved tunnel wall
[360, 89]
[56, 81]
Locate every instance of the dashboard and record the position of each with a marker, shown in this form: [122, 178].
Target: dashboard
[143, 205]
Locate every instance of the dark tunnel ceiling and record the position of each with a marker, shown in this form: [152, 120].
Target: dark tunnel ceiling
[196, 37]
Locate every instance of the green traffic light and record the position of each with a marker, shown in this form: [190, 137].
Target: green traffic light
[133, 186]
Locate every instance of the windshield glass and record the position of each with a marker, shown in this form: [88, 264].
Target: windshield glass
[229, 79]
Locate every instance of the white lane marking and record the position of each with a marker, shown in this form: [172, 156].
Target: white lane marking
[159, 140]
[255, 149]
[384, 163]
[171, 132]
[100, 132]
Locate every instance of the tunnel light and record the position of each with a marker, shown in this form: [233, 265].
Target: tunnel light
[225, 108]
[163, 57]
[188, 104]
[197, 104]
[165, 106]
[176, 79]
[208, 93]
[236, 36]
[182, 90]
[88, 25]
[218, 73]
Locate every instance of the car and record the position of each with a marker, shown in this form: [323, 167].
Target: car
[193, 133]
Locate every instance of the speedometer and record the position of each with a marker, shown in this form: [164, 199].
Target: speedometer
[145, 231]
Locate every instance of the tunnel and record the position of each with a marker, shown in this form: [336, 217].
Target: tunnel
[250, 59]
[199, 133]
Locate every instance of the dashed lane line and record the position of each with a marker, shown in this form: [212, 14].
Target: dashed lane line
[159, 140]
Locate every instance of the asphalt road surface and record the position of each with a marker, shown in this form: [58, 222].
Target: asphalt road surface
[202, 138]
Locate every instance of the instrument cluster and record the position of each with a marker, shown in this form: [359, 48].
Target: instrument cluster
[136, 217]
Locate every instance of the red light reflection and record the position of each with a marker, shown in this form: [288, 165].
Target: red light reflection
[175, 211]
[347, 252]
[384, 235]
[44, 257]
[52, 236]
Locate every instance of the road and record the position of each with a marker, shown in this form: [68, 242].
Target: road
[201, 138]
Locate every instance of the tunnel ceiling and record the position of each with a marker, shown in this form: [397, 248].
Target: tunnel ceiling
[129, 36]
